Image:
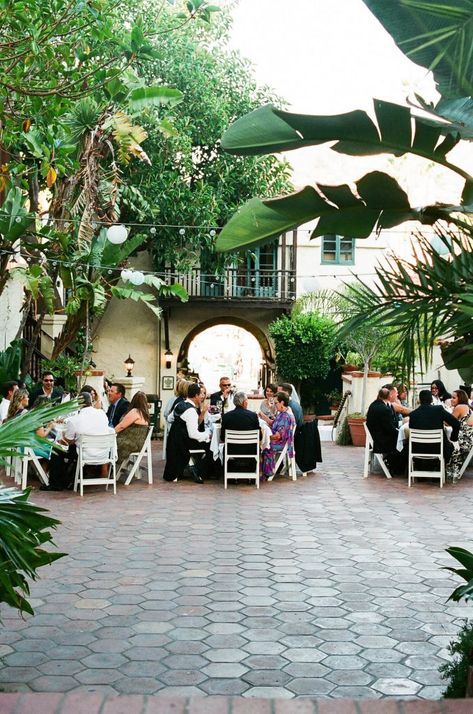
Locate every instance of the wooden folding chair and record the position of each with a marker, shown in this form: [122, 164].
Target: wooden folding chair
[250, 441]
[96, 450]
[429, 437]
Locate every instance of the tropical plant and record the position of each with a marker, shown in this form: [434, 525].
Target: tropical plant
[439, 36]
[24, 531]
[461, 649]
[343, 434]
[24, 528]
[10, 362]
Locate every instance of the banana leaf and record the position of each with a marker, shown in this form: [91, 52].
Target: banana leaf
[436, 35]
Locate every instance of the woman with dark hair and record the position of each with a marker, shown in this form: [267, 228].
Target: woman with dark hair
[267, 410]
[18, 403]
[133, 427]
[440, 396]
[282, 433]
[462, 411]
[96, 400]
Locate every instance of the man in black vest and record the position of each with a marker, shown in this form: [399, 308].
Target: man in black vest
[185, 435]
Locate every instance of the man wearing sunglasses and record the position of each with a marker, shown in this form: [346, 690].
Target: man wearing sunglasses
[47, 389]
[224, 397]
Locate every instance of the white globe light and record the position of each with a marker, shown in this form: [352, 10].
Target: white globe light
[125, 275]
[137, 278]
[117, 234]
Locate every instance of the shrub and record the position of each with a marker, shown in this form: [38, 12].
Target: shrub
[456, 671]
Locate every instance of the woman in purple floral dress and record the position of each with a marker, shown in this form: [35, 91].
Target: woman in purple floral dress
[283, 433]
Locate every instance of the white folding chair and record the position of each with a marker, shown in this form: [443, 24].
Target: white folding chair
[288, 463]
[96, 450]
[29, 457]
[426, 437]
[369, 454]
[465, 463]
[136, 457]
[247, 439]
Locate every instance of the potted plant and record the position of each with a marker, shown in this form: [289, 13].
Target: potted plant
[356, 422]
[334, 398]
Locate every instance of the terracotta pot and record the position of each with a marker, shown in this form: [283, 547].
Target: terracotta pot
[356, 374]
[357, 430]
[374, 374]
[348, 367]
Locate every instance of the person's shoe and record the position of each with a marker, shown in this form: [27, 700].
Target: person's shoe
[196, 476]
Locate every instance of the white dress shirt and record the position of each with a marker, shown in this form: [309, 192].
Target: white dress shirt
[4, 409]
[191, 419]
[89, 421]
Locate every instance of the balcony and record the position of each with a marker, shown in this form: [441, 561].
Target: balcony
[259, 286]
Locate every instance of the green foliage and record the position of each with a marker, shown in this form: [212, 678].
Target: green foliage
[465, 558]
[456, 671]
[343, 435]
[64, 366]
[10, 362]
[24, 531]
[304, 345]
[190, 180]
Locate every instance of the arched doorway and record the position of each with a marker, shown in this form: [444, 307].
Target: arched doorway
[228, 347]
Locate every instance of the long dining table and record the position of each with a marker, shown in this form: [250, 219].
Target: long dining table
[216, 446]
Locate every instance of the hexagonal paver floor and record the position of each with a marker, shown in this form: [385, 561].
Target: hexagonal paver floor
[328, 587]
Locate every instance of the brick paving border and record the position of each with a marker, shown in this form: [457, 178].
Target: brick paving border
[83, 703]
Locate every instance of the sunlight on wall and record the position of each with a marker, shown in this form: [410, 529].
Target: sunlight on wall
[226, 351]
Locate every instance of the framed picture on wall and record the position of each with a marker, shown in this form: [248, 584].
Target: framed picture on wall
[167, 383]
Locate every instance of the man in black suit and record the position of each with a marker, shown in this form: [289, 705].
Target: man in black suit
[240, 419]
[223, 395]
[119, 405]
[382, 424]
[428, 416]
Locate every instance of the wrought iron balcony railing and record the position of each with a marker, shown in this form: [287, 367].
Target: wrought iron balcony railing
[254, 285]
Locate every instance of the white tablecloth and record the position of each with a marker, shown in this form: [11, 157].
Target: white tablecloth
[216, 447]
[403, 435]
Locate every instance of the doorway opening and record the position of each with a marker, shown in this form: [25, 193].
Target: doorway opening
[227, 351]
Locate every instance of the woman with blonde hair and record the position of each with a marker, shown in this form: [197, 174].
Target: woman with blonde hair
[132, 428]
[18, 403]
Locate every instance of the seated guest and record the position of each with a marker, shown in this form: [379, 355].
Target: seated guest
[182, 387]
[268, 410]
[283, 433]
[203, 410]
[118, 404]
[47, 389]
[293, 405]
[402, 394]
[461, 411]
[132, 429]
[96, 400]
[7, 392]
[382, 423]
[46, 431]
[88, 421]
[184, 435]
[18, 403]
[223, 398]
[395, 404]
[430, 416]
[440, 396]
[240, 419]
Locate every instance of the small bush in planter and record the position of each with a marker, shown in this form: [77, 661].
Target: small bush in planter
[344, 436]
